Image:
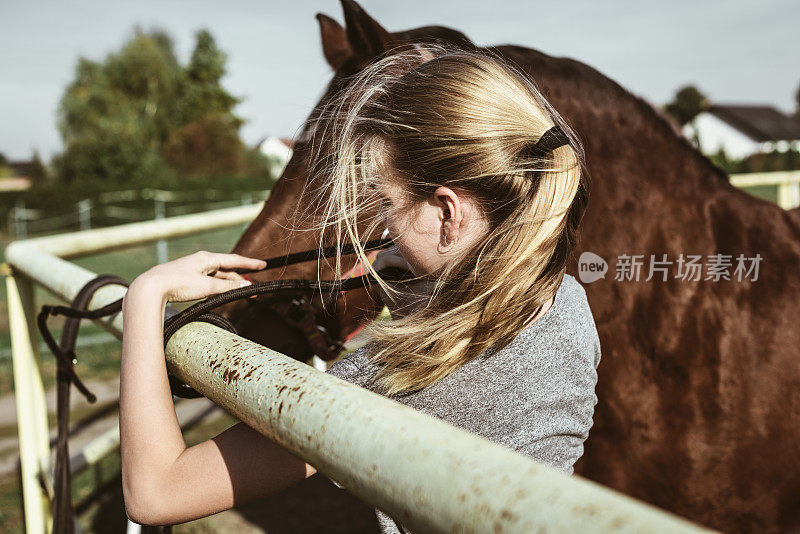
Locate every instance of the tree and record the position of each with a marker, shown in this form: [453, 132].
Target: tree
[207, 142]
[209, 145]
[797, 102]
[201, 91]
[5, 170]
[38, 170]
[687, 104]
[118, 114]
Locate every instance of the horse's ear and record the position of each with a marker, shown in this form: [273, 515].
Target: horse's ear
[367, 38]
[335, 45]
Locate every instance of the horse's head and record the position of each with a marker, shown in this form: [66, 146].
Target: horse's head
[276, 231]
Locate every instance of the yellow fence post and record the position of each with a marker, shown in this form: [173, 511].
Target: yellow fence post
[34, 439]
[789, 194]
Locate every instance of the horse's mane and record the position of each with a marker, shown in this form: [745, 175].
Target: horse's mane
[573, 73]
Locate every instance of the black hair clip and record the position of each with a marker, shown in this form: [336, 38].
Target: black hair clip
[550, 140]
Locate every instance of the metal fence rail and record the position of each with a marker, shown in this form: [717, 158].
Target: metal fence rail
[431, 476]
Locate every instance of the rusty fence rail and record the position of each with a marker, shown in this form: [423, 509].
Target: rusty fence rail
[429, 475]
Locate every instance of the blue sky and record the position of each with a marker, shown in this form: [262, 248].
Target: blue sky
[735, 51]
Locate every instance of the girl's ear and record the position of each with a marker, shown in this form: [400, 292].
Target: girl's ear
[451, 214]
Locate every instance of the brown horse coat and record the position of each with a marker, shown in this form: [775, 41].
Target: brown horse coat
[699, 386]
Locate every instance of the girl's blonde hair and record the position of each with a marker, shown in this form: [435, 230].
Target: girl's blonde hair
[436, 116]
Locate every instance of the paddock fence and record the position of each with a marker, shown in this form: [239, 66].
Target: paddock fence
[429, 475]
[782, 187]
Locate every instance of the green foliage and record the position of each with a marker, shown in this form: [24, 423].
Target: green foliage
[5, 170]
[721, 160]
[134, 118]
[202, 93]
[687, 104]
[118, 160]
[797, 101]
[266, 168]
[772, 161]
[766, 162]
[38, 171]
[210, 144]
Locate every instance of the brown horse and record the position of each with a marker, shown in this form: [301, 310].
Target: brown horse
[699, 384]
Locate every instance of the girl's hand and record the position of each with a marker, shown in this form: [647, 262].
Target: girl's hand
[197, 276]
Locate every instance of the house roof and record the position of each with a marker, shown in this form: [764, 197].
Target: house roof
[22, 168]
[760, 123]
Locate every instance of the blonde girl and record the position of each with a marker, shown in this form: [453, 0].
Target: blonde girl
[482, 186]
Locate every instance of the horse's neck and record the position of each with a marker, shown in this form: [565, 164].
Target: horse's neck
[281, 228]
[634, 146]
[639, 163]
[691, 190]
[276, 231]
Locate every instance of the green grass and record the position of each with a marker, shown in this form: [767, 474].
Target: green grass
[767, 192]
[97, 362]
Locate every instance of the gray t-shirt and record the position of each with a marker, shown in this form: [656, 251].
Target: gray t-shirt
[535, 396]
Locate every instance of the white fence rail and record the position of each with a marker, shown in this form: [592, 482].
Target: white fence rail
[786, 182]
[24, 221]
[431, 476]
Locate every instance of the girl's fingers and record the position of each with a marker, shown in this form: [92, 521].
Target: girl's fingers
[235, 261]
[214, 261]
[235, 277]
[228, 275]
[219, 285]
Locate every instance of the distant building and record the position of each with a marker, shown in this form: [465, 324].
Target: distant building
[278, 151]
[15, 183]
[23, 169]
[277, 146]
[742, 131]
[18, 175]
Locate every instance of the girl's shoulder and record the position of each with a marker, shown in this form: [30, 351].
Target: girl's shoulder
[353, 367]
[574, 301]
[570, 305]
[568, 324]
[572, 293]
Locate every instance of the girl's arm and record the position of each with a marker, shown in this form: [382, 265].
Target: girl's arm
[163, 481]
